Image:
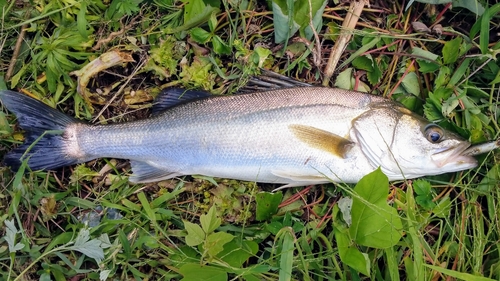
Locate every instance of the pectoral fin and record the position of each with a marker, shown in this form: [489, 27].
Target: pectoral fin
[322, 139]
[145, 172]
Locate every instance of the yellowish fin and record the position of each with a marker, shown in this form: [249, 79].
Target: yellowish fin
[322, 139]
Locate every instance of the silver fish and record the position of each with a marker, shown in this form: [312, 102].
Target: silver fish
[293, 136]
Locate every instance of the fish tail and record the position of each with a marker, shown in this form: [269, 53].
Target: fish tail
[46, 140]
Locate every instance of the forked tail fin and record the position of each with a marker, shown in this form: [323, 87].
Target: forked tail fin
[45, 141]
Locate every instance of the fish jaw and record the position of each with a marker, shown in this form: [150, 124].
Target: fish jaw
[454, 159]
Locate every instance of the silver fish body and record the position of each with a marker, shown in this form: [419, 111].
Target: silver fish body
[294, 136]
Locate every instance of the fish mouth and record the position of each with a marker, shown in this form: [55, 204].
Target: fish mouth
[455, 157]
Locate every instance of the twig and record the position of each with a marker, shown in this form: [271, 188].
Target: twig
[348, 26]
[115, 34]
[317, 53]
[401, 80]
[132, 75]
[15, 55]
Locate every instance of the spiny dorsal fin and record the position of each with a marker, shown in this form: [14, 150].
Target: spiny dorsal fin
[171, 97]
[269, 80]
[322, 139]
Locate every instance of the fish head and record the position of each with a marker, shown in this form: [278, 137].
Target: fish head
[406, 145]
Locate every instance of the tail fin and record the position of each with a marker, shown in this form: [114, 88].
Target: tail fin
[44, 144]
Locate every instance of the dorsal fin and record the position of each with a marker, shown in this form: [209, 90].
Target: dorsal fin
[269, 80]
[323, 140]
[171, 97]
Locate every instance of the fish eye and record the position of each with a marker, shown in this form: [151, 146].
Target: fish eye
[433, 133]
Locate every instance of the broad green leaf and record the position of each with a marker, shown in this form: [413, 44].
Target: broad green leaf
[424, 195]
[220, 47]
[451, 50]
[291, 16]
[427, 67]
[193, 8]
[344, 80]
[267, 204]
[363, 62]
[119, 8]
[212, 22]
[193, 19]
[350, 255]
[197, 272]
[236, 252]
[443, 77]
[215, 242]
[260, 55]
[195, 235]
[284, 24]
[374, 223]
[410, 83]
[210, 221]
[200, 35]
[302, 16]
[424, 53]
[45, 277]
[472, 5]
[375, 75]
[422, 187]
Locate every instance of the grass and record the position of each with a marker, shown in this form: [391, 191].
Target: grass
[87, 222]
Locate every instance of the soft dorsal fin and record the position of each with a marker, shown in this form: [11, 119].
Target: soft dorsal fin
[174, 96]
[322, 139]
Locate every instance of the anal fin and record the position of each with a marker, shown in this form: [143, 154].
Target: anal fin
[322, 140]
[143, 172]
[298, 178]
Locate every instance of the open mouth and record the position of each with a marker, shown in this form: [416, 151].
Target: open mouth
[456, 156]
